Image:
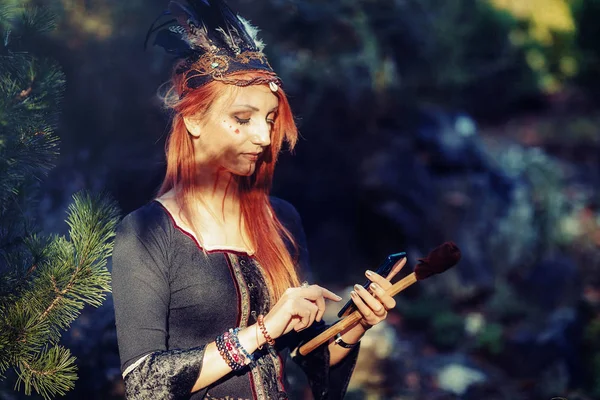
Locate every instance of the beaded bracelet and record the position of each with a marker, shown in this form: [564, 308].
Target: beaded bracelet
[238, 345]
[233, 349]
[225, 353]
[263, 329]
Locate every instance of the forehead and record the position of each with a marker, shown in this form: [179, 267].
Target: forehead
[258, 96]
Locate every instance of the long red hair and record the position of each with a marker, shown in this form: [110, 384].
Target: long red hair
[267, 234]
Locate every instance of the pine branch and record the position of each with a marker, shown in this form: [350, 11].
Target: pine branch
[26, 158]
[49, 373]
[44, 281]
[76, 273]
[31, 94]
[69, 274]
[6, 10]
[25, 24]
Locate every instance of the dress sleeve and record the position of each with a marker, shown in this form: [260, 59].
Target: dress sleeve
[141, 292]
[326, 382]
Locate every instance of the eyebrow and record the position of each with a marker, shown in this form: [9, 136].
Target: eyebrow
[254, 108]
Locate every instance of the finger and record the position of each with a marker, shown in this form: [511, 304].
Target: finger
[385, 299]
[328, 294]
[319, 306]
[320, 303]
[371, 302]
[380, 280]
[396, 268]
[313, 292]
[364, 310]
[385, 282]
[307, 312]
[304, 316]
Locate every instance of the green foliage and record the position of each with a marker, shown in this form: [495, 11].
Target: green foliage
[447, 330]
[30, 93]
[45, 281]
[507, 305]
[453, 53]
[490, 339]
[73, 273]
[586, 14]
[444, 327]
[421, 310]
[51, 373]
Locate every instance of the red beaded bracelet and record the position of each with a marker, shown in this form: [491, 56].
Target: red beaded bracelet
[263, 329]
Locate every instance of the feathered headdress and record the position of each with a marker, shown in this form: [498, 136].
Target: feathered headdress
[213, 40]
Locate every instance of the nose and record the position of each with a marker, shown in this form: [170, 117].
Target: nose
[261, 134]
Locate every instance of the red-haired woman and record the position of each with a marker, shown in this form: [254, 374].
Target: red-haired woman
[208, 301]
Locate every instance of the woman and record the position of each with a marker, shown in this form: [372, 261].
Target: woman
[206, 287]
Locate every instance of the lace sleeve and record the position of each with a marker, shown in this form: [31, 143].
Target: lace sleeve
[325, 382]
[166, 375]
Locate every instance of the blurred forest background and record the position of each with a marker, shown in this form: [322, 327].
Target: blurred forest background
[475, 121]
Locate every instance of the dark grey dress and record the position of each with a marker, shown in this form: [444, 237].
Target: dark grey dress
[171, 299]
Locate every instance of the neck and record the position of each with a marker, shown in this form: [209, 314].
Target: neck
[220, 193]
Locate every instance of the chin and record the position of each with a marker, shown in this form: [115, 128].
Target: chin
[247, 172]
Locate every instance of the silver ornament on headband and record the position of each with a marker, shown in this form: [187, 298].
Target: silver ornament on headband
[273, 86]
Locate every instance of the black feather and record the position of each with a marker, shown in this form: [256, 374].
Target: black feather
[195, 24]
[234, 25]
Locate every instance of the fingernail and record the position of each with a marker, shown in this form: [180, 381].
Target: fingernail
[369, 272]
[374, 286]
[357, 287]
[338, 297]
[353, 293]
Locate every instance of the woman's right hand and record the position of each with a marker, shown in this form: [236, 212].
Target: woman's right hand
[297, 309]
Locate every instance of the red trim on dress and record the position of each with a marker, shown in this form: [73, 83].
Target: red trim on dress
[188, 234]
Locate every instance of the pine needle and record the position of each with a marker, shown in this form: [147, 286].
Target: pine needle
[49, 373]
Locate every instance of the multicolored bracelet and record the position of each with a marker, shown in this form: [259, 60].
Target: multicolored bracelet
[225, 349]
[238, 345]
[232, 351]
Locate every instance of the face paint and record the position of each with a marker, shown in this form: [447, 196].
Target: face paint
[236, 149]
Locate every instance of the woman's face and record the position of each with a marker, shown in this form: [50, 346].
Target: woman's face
[235, 131]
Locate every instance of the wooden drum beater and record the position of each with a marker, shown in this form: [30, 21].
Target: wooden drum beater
[439, 260]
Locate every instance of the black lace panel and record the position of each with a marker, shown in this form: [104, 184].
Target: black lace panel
[165, 375]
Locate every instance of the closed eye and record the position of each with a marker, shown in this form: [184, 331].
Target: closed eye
[242, 121]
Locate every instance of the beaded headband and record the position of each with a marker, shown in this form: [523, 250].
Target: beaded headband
[214, 41]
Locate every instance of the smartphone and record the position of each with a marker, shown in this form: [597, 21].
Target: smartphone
[383, 270]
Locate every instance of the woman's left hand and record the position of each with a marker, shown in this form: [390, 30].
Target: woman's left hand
[374, 304]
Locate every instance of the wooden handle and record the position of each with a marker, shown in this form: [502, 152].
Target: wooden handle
[352, 319]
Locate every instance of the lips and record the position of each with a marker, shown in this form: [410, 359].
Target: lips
[252, 156]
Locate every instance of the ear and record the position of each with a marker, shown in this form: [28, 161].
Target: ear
[192, 125]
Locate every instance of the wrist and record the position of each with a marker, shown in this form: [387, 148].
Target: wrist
[259, 337]
[250, 340]
[339, 340]
[365, 326]
[263, 332]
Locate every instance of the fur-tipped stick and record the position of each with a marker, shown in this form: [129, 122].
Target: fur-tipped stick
[439, 260]
[395, 269]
